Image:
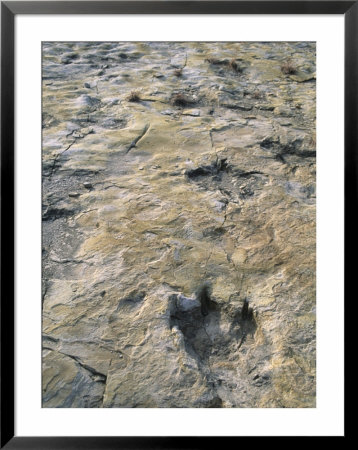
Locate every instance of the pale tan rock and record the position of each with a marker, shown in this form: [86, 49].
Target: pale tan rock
[167, 198]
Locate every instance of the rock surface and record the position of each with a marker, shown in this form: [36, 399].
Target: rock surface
[179, 225]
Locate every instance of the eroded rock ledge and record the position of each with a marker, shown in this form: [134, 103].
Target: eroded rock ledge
[179, 225]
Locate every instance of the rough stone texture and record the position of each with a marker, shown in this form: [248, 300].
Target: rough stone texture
[178, 181]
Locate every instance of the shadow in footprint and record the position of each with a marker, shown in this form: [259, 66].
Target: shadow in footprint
[191, 316]
[246, 321]
[203, 295]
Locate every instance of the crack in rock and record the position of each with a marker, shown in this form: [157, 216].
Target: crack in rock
[138, 138]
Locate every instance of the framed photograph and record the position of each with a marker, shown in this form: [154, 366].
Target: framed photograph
[174, 181]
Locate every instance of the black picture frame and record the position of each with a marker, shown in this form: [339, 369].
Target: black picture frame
[9, 10]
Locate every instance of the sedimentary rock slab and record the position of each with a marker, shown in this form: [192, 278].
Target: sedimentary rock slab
[179, 224]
